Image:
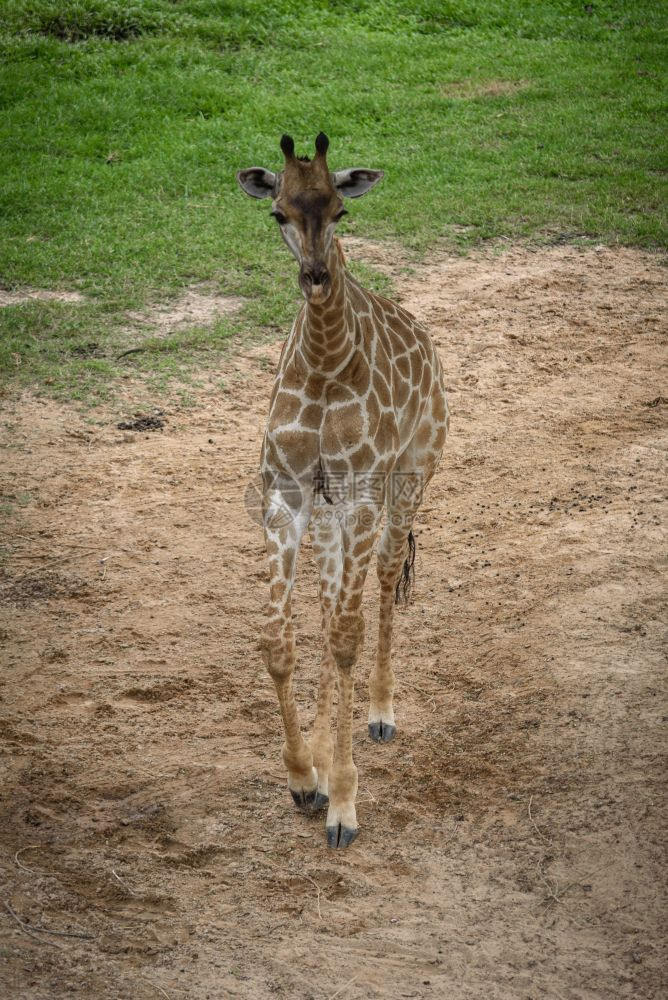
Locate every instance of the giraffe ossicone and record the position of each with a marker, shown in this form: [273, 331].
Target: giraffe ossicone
[357, 420]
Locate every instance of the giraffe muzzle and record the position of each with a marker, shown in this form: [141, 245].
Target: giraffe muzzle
[315, 282]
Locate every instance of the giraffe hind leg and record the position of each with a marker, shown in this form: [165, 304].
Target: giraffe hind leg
[404, 588]
[395, 568]
[396, 572]
[396, 552]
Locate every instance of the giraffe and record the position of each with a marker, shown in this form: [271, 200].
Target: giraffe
[357, 423]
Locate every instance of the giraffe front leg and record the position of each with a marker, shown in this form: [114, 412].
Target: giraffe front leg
[326, 542]
[321, 742]
[283, 535]
[279, 656]
[346, 637]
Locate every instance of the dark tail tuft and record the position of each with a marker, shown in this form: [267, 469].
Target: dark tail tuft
[404, 589]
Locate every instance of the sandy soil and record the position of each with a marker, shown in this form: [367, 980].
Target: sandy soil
[511, 836]
[39, 294]
[200, 305]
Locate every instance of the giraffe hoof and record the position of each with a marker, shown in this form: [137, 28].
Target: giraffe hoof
[309, 801]
[341, 836]
[382, 732]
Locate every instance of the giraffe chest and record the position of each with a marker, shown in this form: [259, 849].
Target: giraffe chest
[345, 431]
[357, 422]
[358, 433]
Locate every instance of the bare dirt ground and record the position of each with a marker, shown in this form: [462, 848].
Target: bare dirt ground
[511, 842]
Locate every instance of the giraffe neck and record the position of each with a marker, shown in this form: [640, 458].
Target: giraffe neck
[326, 333]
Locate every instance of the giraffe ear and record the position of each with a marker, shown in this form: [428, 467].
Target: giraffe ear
[257, 182]
[356, 181]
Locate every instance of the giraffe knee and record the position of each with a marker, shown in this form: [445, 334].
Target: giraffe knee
[346, 638]
[278, 653]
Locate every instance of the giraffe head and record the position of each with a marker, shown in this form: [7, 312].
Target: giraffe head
[307, 202]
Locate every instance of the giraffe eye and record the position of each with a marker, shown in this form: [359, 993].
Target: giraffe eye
[280, 218]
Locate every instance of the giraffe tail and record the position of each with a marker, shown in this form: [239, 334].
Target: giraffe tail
[402, 594]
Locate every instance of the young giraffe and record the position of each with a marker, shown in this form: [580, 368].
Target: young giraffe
[357, 423]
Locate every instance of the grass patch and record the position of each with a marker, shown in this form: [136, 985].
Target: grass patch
[123, 126]
[83, 19]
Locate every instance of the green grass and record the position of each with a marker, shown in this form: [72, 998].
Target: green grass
[123, 124]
